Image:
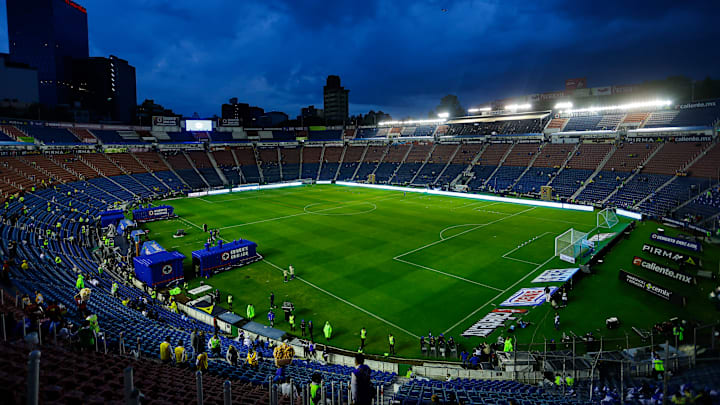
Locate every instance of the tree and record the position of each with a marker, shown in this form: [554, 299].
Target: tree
[449, 104]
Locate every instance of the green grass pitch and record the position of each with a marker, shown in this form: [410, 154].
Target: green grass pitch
[411, 263]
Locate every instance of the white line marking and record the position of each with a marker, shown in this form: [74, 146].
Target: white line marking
[539, 266]
[347, 302]
[505, 256]
[449, 275]
[453, 227]
[462, 233]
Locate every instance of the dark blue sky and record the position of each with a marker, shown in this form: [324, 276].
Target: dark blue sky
[395, 55]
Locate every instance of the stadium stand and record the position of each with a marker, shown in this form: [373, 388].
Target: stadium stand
[436, 162]
[413, 163]
[311, 161]
[290, 163]
[372, 158]
[248, 163]
[226, 163]
[330, 162]
[269, 164]
[395, 155]
[351, 161]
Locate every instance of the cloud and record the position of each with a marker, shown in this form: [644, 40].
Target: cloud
[396, 55]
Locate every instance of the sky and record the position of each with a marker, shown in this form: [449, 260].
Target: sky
[394, 55]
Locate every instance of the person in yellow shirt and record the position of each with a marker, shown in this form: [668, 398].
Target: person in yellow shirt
[180, 354]
[202, 362]
[252, 358]
[166, 352]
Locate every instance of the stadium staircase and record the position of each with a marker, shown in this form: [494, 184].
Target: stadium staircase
[322, 159]
[13, 131]
[468, 169]
[300, 163]
[427, 158]
[164, 160]
[192, 164]
[256, 153]
[499, 165]
[634, 173]
[595, 173]
[104, 176]
[147, 169]
[362, 159]
[280, 166]
[452, 156]
[565, 163]
[340, 162]
[238, 165]
[217, 168]
[412, 145]
[382, 158]
[529, 166]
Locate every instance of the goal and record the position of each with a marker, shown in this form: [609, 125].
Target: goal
[570, 245]
[607, 219]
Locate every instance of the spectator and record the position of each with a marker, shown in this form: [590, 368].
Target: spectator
[214, 346]
[180, 354]
[166, 352]
[360, 382]
[287, 388]
[201, 363]
[232, 356]
[315, 389]
[195, 341]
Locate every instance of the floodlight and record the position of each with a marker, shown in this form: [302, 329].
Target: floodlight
[444, 114]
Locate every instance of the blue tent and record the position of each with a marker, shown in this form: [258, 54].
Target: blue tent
[159, 269]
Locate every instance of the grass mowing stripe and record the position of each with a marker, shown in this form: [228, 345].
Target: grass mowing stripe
[448, 274]
[501, 293]
[462, 233]
[347, 302]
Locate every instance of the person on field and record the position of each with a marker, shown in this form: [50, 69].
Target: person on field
[363, 336]
[327, 330]
[292, 272]
[250, 312]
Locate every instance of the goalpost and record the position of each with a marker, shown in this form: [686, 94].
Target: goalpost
[607, 219]
[570, 245]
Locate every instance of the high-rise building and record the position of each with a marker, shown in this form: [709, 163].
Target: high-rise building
[106, 87]
[335, 100]
[18, 83]
[48, 35]
[246, 114]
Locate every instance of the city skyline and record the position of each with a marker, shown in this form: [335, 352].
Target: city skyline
[399, 57]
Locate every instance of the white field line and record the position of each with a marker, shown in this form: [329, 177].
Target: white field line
[258, 194]
[453, 227]
[462, 233]
[505, 256]
[448, 274]
[348, 302]
[500, 294]
[304, 213]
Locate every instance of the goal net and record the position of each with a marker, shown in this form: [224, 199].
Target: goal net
[607, 219]
[570, 244]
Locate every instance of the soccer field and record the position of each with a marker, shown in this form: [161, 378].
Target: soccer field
[396, 263]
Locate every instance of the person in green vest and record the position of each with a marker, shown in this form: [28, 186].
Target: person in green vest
[315, 390]
[508, 344]
[214, 346]
[174, 307]
[58, 261]
[391, 342]
[250, 312]
[45, 243]
[558, 380]
[229, 301]
[94, 325]
[658, 366]
[363, 336]
[80, 283]
[569, 380]
[21, 199]
[7, 205]
[114, 288]
[678, 332]
[327, 330]
[291, 320]
[153, 294]
[100, 270]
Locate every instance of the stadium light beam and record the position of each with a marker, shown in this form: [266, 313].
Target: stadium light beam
[630, 106]
[565, 105]
[518, 107]
[444, 115]
[473, 110]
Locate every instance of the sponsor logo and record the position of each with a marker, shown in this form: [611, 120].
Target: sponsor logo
[487, 324]
[697, 105]
[669, 254]
[663, 270]
[556, 275]
[510, 310]
[652, 288]
[687, 244]
[567, 258]
[527, 297]
[167, 269]
[225, 256]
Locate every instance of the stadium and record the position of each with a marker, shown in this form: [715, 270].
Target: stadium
[558, 248]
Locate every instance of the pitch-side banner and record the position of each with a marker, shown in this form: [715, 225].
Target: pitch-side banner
[674, 256]
[682, 243]
[527, 297]
[556, 275]
[652, 288]
[487, 324]
[664, 270]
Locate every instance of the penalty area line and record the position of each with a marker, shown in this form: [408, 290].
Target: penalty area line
[500, 294]
[346, 302]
